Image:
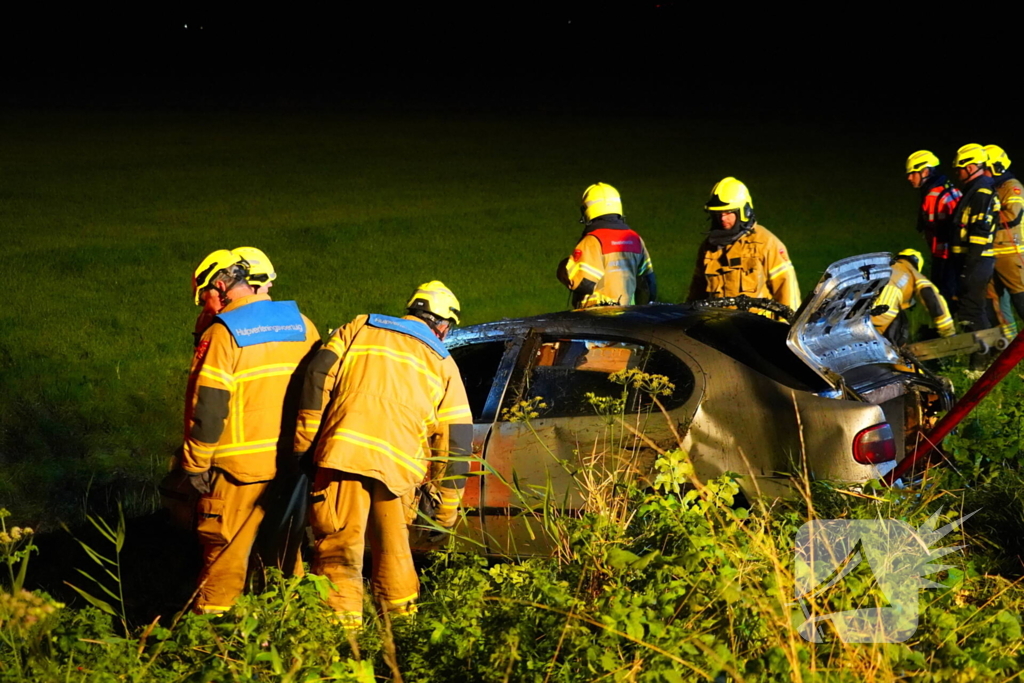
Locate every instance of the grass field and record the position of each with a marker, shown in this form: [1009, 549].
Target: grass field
[106, 214]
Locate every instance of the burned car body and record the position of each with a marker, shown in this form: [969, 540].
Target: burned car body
[754, 396]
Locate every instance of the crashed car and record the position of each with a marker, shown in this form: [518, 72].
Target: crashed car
[826, 396]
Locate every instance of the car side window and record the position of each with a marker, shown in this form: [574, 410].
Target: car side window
[478, 364]
[562, 372]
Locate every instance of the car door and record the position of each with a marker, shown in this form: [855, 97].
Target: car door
[567, 448]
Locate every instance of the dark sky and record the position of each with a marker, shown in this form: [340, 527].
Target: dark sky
[615, 56]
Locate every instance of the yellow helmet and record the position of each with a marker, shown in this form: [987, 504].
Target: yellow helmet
[215, 262]
[600, 199]
[433, 297]
[997, 159]
[261, 270]
[920, 160]
[729, 194]
[914, 256]
[970, 154]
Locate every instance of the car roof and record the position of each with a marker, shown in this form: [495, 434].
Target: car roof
[751, 339]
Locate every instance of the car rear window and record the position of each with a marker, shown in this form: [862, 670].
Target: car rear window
[760, 344]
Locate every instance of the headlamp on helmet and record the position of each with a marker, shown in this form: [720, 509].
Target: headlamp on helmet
[436, 299]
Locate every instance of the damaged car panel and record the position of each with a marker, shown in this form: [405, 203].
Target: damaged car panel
[751, 395]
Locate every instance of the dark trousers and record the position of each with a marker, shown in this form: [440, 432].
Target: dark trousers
[973, 311]
[944, 275]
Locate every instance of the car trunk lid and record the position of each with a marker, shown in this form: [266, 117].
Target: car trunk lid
[833, 333]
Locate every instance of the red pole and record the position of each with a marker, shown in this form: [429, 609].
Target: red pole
[1000, 367]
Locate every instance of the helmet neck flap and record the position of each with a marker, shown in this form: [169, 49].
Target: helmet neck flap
[720, 237]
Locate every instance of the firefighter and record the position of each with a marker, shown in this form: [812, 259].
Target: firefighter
[237, 402]
[1008, 243]
[939, 199]
[610, 265]
[378, 398]
[904, 284]
[261, 279]
[973, 254]
[740, 256]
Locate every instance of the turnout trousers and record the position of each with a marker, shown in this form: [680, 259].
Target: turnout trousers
[346, 511]
[229, 518]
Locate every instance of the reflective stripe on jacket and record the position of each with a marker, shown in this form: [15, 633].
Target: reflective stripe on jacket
[613, 257]
[1009, 239]
[898, 294]
[976, 219]
[374, 397]
[239, 398]
[756, 264]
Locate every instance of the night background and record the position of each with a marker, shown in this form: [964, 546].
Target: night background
[368, 148]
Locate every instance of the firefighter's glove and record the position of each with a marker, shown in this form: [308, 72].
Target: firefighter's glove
[446, 514]
[201, 481]
[947, 332]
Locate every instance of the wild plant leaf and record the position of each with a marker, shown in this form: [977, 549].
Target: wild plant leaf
[93, 579]
[94, 601]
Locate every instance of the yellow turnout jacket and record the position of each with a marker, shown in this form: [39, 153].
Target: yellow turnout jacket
[757, 264]
[238, 396]
[375, 396]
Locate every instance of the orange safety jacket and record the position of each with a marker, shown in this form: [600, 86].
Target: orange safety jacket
[898, 294]
[613, 258]
[239, 395]
[755, 264]
[375, 396]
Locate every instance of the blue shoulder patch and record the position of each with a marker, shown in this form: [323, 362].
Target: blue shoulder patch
[265, 321]
[410, 327]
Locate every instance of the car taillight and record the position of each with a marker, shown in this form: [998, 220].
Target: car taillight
[874, 445]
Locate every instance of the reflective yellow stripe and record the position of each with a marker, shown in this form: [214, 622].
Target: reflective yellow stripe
[336, 345]
[590, 270]
[237, 404]
[402, 601]
[647, 265]
[1003, 251]
[400, 357]
[266, 371]
[922, 283]
[381, 446]
[454, 413]
[988, 252]
[214, 609]
[977, 239]
[779, 270]
[959, 250]
[246, 448]
[217, 375]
